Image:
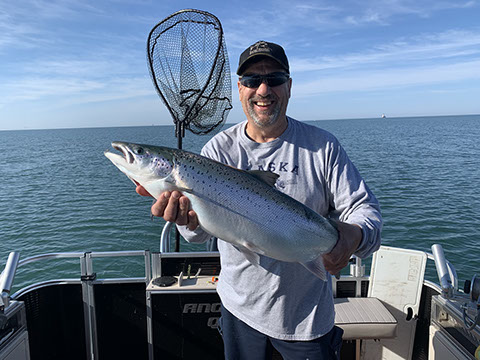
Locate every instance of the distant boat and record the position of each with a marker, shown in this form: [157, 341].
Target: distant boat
[383, 116]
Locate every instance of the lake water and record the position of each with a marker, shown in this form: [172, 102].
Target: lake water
[60, 193]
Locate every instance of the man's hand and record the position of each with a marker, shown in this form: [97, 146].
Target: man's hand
[349, 238]
[173, 207]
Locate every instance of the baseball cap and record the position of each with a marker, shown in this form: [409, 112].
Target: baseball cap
[263, 48]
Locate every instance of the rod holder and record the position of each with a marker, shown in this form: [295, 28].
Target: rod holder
[6, 280]
[442, 271]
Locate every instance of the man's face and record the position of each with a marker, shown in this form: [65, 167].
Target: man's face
[265, 106]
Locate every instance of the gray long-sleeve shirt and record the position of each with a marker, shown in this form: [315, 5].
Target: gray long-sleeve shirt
[284, 300]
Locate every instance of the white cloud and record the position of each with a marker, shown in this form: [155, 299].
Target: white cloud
[388, 12]
[445, 46]
[389, 78]
[65, 92]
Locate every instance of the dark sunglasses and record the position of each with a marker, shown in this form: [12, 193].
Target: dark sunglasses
[273, 79]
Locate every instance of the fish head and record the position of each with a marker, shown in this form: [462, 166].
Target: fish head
[142, 163]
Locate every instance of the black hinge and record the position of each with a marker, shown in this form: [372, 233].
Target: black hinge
[91, 277]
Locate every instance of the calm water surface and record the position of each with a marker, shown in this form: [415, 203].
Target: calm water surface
[61, 194]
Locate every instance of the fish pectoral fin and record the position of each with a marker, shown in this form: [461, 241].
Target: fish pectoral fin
[181, 189]
[266, 176]
[171, 180]
[251, 256]
[317, 268]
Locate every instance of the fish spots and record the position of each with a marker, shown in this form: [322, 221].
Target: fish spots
[229, 188]
[161, 166]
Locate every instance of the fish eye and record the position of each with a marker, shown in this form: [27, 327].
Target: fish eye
[139, 151]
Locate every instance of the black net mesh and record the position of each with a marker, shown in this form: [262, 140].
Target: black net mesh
[189, 65]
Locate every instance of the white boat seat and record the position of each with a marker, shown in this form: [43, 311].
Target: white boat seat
[364, 318]
[396, 279]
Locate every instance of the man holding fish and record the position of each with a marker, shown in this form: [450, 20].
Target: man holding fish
[270, 302]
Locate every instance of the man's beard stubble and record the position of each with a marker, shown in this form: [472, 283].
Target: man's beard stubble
[272, 118]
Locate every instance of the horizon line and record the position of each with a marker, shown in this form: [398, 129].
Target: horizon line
[233, 123]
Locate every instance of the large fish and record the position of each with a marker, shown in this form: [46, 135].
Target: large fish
[241, 207]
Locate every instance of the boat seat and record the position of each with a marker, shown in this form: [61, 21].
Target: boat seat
[364, 318]
[396, 279]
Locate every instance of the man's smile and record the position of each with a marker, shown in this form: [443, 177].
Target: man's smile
[263, 103]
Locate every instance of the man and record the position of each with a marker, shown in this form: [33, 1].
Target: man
[282, 304]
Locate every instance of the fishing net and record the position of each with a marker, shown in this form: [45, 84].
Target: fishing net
[188, 62]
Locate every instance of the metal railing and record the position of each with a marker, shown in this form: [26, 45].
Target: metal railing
[211, 245]
[87, 280]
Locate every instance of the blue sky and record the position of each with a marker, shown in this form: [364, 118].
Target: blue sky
[83, 63]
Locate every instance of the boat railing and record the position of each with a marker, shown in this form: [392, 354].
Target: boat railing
[88, 278]
[357, 269]
[86, 260]
[165, 241]
[165, 238]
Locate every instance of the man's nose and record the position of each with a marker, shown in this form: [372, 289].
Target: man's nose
[263, 89]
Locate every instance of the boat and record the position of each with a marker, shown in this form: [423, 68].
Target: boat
[384, 116]
[171, 312]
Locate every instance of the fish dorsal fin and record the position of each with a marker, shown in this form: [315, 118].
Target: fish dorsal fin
[266, 176]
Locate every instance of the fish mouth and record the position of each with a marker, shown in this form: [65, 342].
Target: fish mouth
[123, 161]
[126, 152]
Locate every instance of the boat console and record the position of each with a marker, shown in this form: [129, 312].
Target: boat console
[183, 307]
